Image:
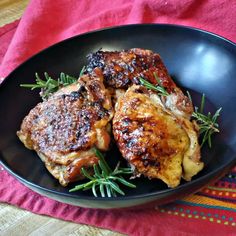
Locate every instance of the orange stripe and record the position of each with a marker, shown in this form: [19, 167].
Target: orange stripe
[208, 201]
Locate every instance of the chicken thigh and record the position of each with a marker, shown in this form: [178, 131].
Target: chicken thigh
[156, 142]
[121, 69]
[64, 129]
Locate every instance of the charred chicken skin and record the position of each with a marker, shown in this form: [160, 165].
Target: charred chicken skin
[166, 151]
[64, 129]
[124, 68]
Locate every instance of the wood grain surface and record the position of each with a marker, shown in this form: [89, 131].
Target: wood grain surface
[18, 222]
[11, 10]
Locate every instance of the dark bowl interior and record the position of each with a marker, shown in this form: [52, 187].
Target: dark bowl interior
[198, 61]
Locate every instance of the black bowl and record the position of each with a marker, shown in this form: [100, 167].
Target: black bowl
[199, 61]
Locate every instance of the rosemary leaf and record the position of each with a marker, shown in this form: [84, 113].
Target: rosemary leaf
[82, 71]
[123, 181]
[108, 190]
[101, 158]
[105, 181]
[116, 187]
[101, 186]
[96, 171]
[189, 96]
[207, 123]
[158, 88]
[78, 187]
[86, 174]
[94, 190]
[89, 185]
[202, 103]
[50, 85]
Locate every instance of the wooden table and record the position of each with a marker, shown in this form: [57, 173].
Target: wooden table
[15, 221]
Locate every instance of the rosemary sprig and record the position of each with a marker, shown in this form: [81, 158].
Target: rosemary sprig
[82, 71]
[105, 180]
[50, 85]
[159, 88]
[207, 123]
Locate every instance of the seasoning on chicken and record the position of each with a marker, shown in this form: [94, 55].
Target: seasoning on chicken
[121, 69]
[153, 132]
[156, 142]
[64, 129]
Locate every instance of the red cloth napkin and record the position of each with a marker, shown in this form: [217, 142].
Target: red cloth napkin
[47, 22]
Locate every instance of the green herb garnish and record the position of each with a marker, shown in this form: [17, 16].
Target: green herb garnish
[105, 180]
[50, 85]
[158, 88]
[207, 123]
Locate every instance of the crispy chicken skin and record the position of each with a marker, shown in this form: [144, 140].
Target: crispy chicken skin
[121, 69]
[153, 139]
[64, 128]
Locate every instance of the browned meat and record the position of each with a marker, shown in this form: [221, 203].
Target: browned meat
[156, 142]
[122, 69]
[153, 132]
[64, 129]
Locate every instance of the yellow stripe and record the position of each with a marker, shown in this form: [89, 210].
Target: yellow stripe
[222, 189]
[208, 201]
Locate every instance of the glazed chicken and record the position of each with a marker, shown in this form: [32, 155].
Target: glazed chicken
[124, 68]
[156, 142]
[153, 133]
[64, 129]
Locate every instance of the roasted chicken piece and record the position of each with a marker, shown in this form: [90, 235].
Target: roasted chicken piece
[153, 139]
[154, 133]
[64, 129]
[121, 70]
[124, 68]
